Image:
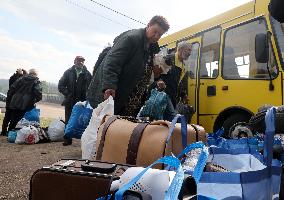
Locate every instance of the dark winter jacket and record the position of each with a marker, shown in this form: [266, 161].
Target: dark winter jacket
[175, 88]
[101, 58]
[24, 93]
[14, 77]
[73, 88]
[122, 68]
[172, 79]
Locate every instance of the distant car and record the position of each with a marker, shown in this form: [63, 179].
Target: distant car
[3, 98]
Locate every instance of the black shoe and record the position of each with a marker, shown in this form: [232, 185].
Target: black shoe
[67, 142]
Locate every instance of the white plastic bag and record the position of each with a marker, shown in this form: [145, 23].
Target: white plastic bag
[89, 137]
[27, 135]
[154, 182]
[23, 122]
[56, 130]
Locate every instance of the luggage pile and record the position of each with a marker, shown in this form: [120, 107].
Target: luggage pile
[29, 131]
[132, 159]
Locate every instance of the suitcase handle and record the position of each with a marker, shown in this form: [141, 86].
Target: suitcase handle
[183, 129]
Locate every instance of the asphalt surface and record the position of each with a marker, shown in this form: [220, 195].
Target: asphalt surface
[18, 163]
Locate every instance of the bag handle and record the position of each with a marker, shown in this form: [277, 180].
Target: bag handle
[269, 136]
[198, 170]
[216, 135]
[183, 129]
[174, 188]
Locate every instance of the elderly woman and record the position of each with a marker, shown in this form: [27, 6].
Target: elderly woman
[22, 96]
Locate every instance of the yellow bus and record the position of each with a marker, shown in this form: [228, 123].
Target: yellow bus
[229, 75]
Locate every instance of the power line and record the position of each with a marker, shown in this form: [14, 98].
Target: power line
[124, 15]
[93, 12]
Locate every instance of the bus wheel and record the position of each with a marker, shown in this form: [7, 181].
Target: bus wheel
[233, 122]
[240, 130]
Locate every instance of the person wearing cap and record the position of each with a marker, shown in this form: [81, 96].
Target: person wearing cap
[73, 85]
[22, 96]
[126, 70]
[7, 118]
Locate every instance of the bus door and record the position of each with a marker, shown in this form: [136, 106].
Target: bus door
[191, 69]
[209, 106]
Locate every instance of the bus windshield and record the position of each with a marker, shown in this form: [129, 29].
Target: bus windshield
[279, 32]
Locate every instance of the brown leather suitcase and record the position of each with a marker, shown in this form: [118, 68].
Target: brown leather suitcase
[122, 140]
[74, 180]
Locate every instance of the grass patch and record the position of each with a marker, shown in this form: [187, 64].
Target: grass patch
[44, 121]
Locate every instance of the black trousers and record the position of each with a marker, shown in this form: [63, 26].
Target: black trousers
[68, 111]
[6, 121]
[16, 116]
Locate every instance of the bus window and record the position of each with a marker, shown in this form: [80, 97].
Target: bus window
[210, 53]
[239, 53]
[279, 32]
[191, 63]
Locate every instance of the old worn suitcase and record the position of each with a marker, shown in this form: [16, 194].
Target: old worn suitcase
[122, 140]
[74, 180]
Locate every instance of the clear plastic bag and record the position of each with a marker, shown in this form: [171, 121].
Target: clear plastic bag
[55, 130]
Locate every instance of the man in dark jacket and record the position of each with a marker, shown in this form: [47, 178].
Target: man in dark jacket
[73, 85]
[22, 96]
[124, 72]
[7, 118]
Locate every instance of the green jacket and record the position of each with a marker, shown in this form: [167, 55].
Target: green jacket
[122, 68]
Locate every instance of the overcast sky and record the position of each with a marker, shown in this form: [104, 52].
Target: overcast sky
[48, 34]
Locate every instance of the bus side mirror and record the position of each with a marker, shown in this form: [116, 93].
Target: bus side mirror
[261, 48]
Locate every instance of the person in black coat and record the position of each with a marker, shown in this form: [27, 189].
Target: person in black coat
[7, 118]
[73, 85]
[19, 73]
[176, 78]
[22, 96]
[125, 68]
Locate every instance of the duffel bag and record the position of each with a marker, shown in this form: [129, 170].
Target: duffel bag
[128, 141]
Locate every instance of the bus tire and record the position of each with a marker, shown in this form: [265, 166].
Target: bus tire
[231, 121]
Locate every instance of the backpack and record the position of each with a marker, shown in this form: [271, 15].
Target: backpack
[155, 106]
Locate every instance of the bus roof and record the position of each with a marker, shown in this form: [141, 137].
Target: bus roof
[244, 9]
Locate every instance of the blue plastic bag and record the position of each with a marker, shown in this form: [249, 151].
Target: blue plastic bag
[32, 115]
[155, 106]
[12, 136]
[78, 122]
[174, 188]
[215, 139]
[253, 144]
[252, 176]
